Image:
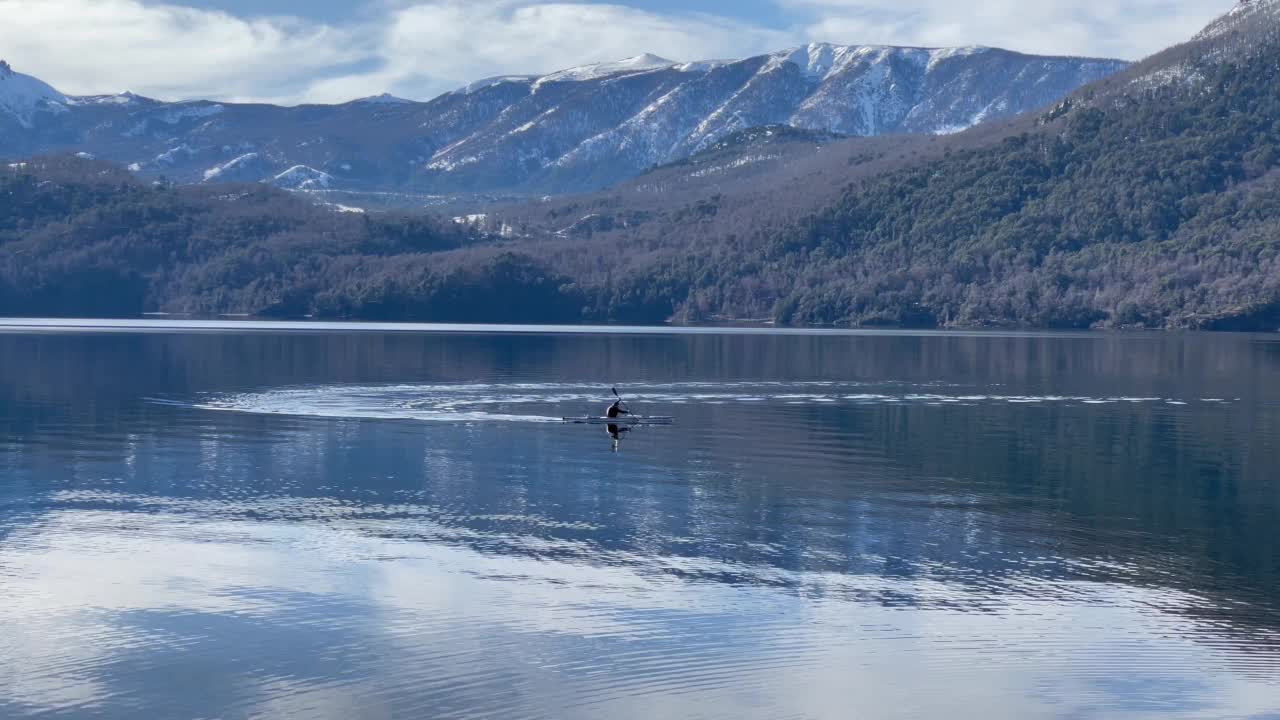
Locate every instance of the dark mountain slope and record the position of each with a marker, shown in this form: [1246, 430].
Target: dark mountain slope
[80, 238]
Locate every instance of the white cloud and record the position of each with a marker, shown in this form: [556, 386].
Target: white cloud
[1128, 29]
[419, 48]
[99, 46]
[432, 47]
[416, 49]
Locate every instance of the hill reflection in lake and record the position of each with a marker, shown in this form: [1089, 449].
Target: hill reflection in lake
[888, 525]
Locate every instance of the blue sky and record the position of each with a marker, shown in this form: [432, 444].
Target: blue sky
[293, 51]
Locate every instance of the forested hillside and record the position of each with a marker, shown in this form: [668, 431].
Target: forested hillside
[79, 238]
[1159, 208]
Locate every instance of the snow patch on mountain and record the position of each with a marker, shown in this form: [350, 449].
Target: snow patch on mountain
[451, 164]
[940, 55]
[227, 168]
[637, 64]
[701, 66]
[1179, 74]
[815, 61]
[301, 177]
[172, 155]
[487, 83]
[126, 99]
[820, 61]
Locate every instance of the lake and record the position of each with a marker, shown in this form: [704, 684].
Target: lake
[327, 521]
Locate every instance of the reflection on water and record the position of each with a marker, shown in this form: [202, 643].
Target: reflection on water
[865, 526]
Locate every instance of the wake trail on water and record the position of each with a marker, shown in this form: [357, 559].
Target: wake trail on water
[550, 402]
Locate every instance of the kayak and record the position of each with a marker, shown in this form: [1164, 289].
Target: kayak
[624, 420]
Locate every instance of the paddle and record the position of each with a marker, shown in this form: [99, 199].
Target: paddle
[615, 394]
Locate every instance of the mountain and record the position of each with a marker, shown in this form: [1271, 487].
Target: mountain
[594, 126]
[1150, 198]
[1246, 20]
[576, 129]
[23, 97]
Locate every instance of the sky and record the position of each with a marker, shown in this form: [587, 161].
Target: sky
[296, 51]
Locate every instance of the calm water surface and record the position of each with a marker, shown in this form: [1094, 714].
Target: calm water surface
[338, 524]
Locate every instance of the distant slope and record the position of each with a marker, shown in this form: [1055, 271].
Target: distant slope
[577, 129]
[754, 179]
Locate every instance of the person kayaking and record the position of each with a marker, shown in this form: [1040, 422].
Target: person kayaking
[616, 410]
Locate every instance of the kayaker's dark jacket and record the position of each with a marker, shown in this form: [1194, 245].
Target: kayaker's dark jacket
[615, 410]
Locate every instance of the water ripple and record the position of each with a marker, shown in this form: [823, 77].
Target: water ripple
[495, 402]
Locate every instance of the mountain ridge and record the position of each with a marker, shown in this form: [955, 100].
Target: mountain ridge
[575, 129]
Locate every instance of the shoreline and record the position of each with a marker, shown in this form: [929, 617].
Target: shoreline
[228, 324]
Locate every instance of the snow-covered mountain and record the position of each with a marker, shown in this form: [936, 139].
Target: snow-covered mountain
[576, 129]
[22, 97]
[1246, 16]
[1251, 26]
